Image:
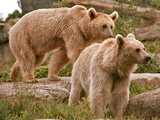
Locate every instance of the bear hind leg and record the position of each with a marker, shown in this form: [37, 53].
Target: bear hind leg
[58, 60]
[14, 71]
[27, 61]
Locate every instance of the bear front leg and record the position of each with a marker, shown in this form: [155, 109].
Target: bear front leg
[100, 91]
[120, 98]
[76, 89]
[97, 103]
[58, 60]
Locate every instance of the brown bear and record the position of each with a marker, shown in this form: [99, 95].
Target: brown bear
[103, 69]
[66, 31]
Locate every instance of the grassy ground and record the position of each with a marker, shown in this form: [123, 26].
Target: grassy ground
[29, 108]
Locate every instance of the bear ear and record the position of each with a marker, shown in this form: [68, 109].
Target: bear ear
[114, 15]
[131, 36]
[120, 39]
[92, 13]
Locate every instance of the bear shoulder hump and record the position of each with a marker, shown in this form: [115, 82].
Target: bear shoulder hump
[79, 7]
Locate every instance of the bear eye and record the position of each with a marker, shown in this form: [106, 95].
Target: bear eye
[138, 50]
[111, 27]
[104, 26]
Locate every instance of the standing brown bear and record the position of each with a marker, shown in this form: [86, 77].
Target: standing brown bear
[66, 31]
[103, 70]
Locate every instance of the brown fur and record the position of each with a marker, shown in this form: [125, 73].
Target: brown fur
[67, 31]
[102, 71]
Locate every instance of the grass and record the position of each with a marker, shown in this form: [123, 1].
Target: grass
[28, 108]
[143, 3]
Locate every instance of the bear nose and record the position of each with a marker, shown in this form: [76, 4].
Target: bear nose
[147, 59]
[111, 35]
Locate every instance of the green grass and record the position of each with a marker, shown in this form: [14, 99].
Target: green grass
[136, 89]
[29, 108]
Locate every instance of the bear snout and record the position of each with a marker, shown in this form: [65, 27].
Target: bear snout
[147, 59]
[110, 35]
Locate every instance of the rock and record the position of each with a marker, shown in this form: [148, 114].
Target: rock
[6, 57]
[29, 5]
[3, 35]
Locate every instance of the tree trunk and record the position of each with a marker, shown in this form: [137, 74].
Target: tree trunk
[55, 90]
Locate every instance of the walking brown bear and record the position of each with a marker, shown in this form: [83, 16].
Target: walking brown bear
[65, 31]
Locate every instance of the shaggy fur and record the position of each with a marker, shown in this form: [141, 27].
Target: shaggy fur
[102, 70]
[66, 31]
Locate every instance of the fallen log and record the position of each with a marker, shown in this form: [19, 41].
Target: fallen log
[60, 89]
[144, 105]
[55, 90]
[146, 79]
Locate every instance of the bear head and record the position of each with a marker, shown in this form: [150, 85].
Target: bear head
[132, 50]
[97, 25]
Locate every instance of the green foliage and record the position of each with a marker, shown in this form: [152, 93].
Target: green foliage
[4, 76]
[15, 14]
